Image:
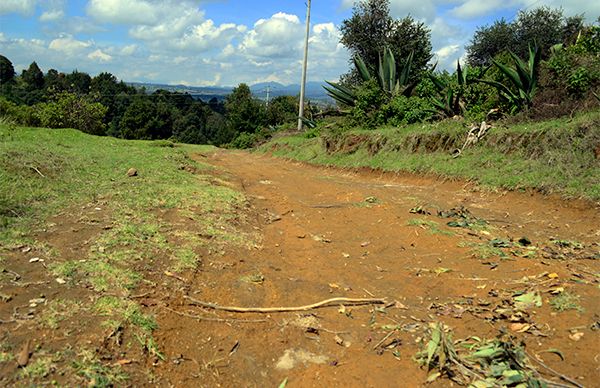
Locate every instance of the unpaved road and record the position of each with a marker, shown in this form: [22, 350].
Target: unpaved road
[328, 233]
[324, 233]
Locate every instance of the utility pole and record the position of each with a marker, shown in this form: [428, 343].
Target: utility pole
[268, 90]
[304, 63]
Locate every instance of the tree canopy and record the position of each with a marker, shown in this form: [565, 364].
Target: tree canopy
[545, 26]
[7, 71]
[371, 29]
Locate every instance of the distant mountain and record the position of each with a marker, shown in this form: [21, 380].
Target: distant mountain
[314, 90]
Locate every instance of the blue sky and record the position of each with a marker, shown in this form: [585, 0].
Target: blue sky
[224, 42]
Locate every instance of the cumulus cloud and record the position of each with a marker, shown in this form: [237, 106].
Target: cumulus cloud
[99, 55]
[24, 7]
[278, 36]
[68, 45]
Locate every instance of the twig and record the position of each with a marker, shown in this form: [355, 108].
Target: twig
[36, 170]
[201, 318]
[388, 335]
[565, 378]
[284, 309]
[330, 206]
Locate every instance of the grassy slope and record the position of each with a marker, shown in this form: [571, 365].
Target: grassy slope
[48, 172]
[555, 156]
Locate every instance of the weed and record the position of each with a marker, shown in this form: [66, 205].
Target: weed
[566, 301]
[39, 368]
[6, 356]
[432, 226]
[484, 250]
[57, 311]
[185, 259]
[97, 375]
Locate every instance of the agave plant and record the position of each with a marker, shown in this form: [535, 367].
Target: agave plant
[523, 77]
[450, 100]
[390, 82]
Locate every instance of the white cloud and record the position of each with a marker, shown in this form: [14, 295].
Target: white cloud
[24, 7]
[129, 49]
[52, 16]
[99, 55]
[68, 45]
[279, 36]
[476, 8]
[123, 11]
[168, 27]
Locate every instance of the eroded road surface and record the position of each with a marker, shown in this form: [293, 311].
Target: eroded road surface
[328, 233]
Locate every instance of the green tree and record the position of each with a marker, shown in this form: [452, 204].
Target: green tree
[282, 109]
[67, 110]
[33, 77]
[7, 71]
[78, 82]
[244, 113]
[544, 25]
[371, 29]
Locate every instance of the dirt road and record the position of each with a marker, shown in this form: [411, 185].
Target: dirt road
[329, 233]
[435, 251]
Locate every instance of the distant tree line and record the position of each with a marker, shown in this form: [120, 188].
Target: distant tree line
[102, 105]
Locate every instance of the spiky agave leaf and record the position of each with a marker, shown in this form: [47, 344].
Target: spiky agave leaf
[362, 68]
[340, 93]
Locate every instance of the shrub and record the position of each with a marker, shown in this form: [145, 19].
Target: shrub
[402, 110]
[369, 99]
[67, 110]
[20, 114]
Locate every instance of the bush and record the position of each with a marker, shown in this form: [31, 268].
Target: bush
[19, 114]
[247, 140]
[369, 99]
[70, 111]
[403, 110]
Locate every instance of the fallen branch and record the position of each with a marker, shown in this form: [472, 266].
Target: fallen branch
[285, 309]
[211, 319]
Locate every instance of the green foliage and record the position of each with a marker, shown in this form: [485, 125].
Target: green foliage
[402, 110]
[523, 79]
[33, 77]
[449, 100]
[369, 99]
[66, 110]
[579, 81]
[544, 25]
[390, 83]
[282, 109]
[371, 29]
[244, 112]
[246, 140]
[7, 71]
[19, 114]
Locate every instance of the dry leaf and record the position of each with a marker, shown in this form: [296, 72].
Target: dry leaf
[576, 336]
[24, 354]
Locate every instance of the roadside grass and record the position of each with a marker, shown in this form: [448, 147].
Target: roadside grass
[552, 156]
[65, 173]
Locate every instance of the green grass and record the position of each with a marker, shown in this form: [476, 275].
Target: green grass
[566, 301]
[144, 225]
[553, 156]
